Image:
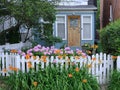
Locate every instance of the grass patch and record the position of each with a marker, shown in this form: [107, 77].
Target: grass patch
[3, 84]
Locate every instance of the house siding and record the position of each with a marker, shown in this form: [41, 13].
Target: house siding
[78, 13]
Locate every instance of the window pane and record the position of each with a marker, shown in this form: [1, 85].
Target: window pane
[61, 30]
[87, 31]
[86, 19]
[60, 19]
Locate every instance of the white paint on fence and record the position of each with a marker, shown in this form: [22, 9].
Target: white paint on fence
[17, 46]
[118, 63]
[100, 65]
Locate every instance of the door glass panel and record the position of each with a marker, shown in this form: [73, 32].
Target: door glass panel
[73, 22]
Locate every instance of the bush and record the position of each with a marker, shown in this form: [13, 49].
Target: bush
[47, 39]
[10, 35]
[110, 38]
[54, 78]
[114, 83]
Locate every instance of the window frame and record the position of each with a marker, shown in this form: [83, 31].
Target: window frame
[56, 25]
[82, 31]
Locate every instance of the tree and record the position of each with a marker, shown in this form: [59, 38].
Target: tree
[28, 12]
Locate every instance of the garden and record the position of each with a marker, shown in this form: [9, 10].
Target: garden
[55, 75]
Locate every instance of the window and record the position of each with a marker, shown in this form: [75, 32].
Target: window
[61, 27]
[73, 22]
[86, 27]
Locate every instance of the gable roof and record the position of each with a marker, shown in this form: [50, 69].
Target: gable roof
[77, 7]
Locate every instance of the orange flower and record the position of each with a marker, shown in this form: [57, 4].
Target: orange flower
[77, 69]
[60, 57]
[114, 57]
[35, 83]
[27, 56]
[57, 51]
[77, 57]
[94, 46]
[10, 67]
[29, 64]
[44, 58]
[70, 75]
[93, 58]
[34, 57]
[89, 66]
[15, 69]
[13, 51]
[4, 70]
[84, 80]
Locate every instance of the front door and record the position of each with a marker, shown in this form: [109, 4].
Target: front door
[74, 31]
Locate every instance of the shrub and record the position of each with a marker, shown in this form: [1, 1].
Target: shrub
[54, 78]
[114, 83]
[110, 38]
[10, 35]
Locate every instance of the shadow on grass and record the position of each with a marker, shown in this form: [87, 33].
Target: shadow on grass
[3, 83]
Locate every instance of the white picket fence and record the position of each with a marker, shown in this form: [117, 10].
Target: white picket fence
[102, 64]
[17, 46]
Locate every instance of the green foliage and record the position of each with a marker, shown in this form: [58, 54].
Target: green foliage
[10, 35]
[53, 78]
[114, 83]
[110, 38]
[3, 81]
[47, 37]
[98, 15]
[28, 12]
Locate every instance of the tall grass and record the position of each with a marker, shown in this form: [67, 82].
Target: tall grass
[53, 78]
[114, 83]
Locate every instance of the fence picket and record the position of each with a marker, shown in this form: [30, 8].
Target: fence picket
[118, 63]
[101, 70]
[3, 63]
[97, 67]
[7, 62]
[100, 66]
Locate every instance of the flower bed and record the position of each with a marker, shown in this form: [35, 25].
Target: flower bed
[53, 77]
[51, 51]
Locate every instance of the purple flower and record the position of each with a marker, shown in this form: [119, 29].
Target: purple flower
[29, 51]
[67, 48]
[30, 54]
[54, 61]
[23, 54]
[35, 49]
[38, 46]
[19, 51]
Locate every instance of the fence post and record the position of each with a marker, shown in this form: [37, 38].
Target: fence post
[118, 63]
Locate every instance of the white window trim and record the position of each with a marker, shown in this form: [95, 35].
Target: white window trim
[56, 34]
[82, 27]
[111, 14]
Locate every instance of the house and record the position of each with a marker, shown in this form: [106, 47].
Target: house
[109, 11]
[75, 22]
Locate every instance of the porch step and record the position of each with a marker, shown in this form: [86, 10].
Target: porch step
[74, 48]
